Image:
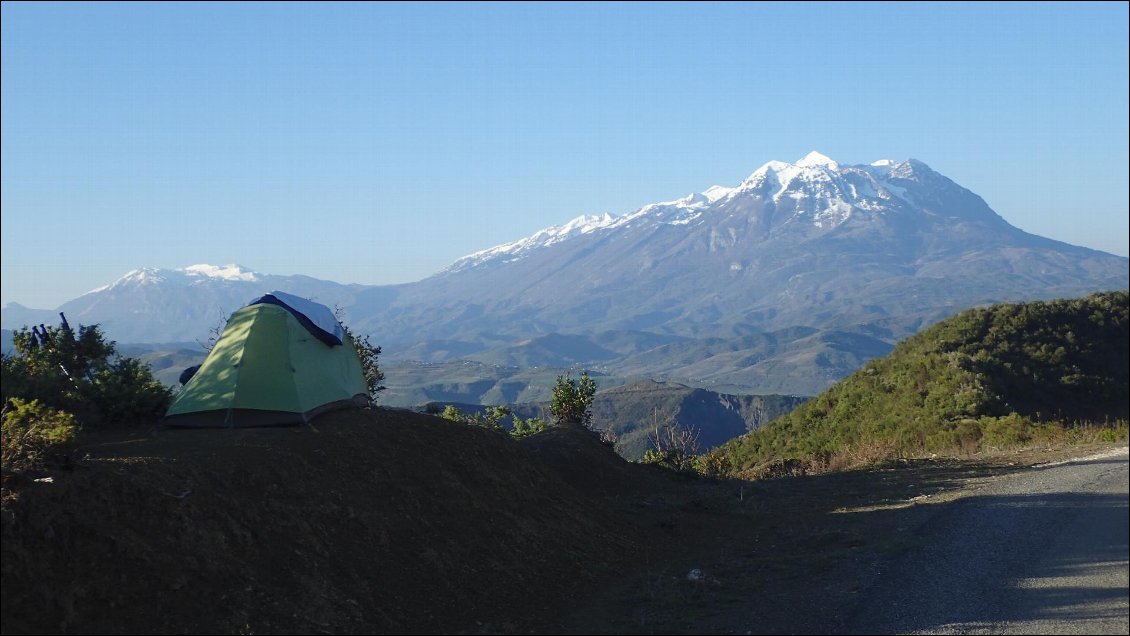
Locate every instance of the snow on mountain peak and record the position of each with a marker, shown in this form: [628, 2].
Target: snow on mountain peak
[186, 276]
[816, 188]
[714, 193]
[813, 165]
[143, 276]
[814, 159]
[583, 224]
[225, 272]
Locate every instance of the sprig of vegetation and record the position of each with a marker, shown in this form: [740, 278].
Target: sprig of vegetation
[492, 418]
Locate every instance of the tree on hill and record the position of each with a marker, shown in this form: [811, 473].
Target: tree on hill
[572, 399]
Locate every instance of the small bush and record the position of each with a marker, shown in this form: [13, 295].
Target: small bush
[127, 394]
[673, 447]
[526, 427]
[80, 373]
[491, 419]
[1006, 432]
[572, 400]
[713, 465]
[369, 355]
[36, 436]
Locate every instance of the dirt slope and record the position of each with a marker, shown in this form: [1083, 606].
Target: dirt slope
[368, 521]
[390, 522]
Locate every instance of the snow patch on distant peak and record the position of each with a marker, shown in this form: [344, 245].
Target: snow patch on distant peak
[144, 275]
[814, 159]
[813, 166]
[586, 223]
[583, 224]
[225, 272]
[715, 193]
[187, 276]
[140, 276]
[769, 166]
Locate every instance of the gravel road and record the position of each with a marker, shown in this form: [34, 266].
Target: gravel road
[1041, 551]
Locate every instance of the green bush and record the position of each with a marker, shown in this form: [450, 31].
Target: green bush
[35, 436]
[1005, 432]
[526, 427]
[82, 375]
[672, 458]
[572, 399]
[127, 394]
[491, 418]
[369, 353]
[713, 465]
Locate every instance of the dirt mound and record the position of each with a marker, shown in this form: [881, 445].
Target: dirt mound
[579, 457]
[372, 521]
[394, 522]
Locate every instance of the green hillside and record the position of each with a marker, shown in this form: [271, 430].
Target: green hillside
[997, 376]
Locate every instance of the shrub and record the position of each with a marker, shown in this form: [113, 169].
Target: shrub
[526, 427]
[674, 447]
[82, 375]
[35, 436]
[491, 418]
[127, 394]
[1004, 432]
[572, 400]
[369, 353]
[713, 465]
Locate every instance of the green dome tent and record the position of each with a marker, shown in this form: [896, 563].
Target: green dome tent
[281, 360]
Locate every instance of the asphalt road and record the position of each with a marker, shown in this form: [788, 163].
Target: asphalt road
[1042, 551]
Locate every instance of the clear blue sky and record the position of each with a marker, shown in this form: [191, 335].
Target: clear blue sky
[377, 143]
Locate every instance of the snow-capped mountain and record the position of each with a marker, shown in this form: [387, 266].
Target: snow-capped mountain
[182, 305]
[202, 274]
[812, 243]
[803, 264]
[814, 191]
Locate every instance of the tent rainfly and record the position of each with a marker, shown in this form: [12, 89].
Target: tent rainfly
[281, 360]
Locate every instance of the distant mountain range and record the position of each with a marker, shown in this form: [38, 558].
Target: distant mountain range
[781, 284]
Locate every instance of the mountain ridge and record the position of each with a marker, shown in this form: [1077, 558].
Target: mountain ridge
[877, 250]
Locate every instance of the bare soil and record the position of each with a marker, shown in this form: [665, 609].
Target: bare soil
[388, 521]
